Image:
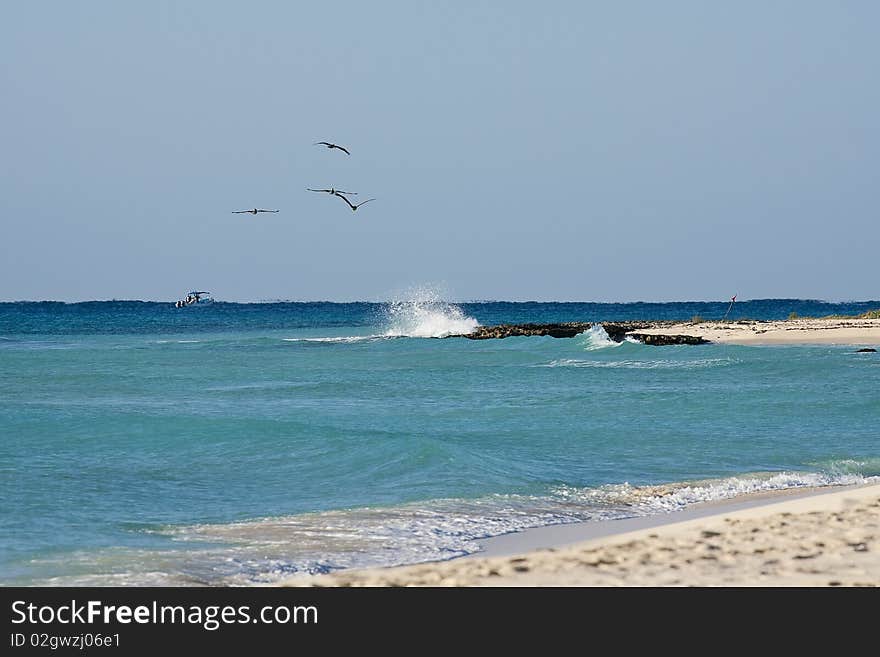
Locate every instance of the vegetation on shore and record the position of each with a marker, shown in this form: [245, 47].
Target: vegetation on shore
[871, 314]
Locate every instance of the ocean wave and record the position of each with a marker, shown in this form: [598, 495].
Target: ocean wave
[422, 313]
[40, 345]
[641, 364]
[346, 339]
[597, 338]
[867, 467]
[664, 498]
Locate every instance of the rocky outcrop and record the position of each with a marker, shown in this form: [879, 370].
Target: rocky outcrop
[662, 340]
[617, 331]
[866, 350]
[562, 330]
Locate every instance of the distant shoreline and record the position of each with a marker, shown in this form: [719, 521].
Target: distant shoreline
[863, 330]
[843, 331]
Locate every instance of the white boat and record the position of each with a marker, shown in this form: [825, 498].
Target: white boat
[194, 298]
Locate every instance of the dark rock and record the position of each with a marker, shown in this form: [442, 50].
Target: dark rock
[866, 350]
[617, 331]
[562, 330]
[663, 340]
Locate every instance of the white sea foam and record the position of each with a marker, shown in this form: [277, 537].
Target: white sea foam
[422, 313]
[346, 339]
[699, 363]
[597, 338]
[736, 486]
[869, 467]
[649, 500]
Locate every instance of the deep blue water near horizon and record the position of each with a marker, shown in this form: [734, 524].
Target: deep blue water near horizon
[126, 316]
[239, 443]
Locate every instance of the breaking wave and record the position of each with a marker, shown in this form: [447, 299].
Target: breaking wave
[424, 314]
[666, 498]
[642, 364]
[597, 338]
[345, 339]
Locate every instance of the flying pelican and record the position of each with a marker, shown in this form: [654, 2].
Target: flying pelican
[354, 207]
[335, 192]
[254, 211]
[331, 146]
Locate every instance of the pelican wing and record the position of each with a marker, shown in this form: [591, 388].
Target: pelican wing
[362, 202]
[346, 200]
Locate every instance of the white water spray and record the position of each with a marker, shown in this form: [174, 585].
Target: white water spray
[597, 338]
[422, 313]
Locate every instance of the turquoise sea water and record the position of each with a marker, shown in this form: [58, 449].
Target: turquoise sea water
[239, 443]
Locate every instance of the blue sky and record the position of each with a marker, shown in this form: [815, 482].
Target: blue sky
[517, 150]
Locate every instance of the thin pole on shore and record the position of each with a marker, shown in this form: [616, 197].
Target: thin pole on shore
[732, 299]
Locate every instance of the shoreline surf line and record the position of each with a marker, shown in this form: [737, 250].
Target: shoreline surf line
[722, 544]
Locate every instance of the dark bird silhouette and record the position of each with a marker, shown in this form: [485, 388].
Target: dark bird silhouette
[254, 211]
[354, 207]
[335, 192]
[331, 146]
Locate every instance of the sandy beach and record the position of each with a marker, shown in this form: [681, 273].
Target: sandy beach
[830, 538]
[848, 331]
